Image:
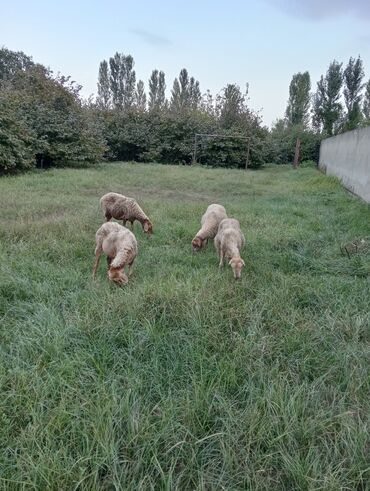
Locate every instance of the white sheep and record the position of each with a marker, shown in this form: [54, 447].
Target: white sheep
[210, 221]
[126, 209]
[120, 246]
[228, 242]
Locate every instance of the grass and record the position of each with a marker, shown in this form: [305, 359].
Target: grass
[185, 379]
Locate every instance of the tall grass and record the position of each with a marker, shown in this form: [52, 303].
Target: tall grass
[184, 379]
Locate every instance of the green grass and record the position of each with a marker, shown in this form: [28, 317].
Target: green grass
[185, 379]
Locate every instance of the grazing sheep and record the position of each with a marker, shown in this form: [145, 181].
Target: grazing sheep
[120, 246]
[126, 209]
[210, 222]
[228, 242]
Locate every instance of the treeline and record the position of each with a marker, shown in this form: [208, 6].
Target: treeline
[148, 127]
[44, 121]
[340, 103]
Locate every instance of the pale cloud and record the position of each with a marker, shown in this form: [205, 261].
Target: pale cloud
[324, 9]
[151, 37]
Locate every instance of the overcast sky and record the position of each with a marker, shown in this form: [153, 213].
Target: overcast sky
[219, 41]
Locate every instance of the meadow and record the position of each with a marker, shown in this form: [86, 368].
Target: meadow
[185, 379]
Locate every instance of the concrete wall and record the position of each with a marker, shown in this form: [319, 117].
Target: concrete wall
[347, 156]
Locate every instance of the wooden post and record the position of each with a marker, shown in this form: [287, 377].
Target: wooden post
[247, 159]
[195, 149]
[296, 153]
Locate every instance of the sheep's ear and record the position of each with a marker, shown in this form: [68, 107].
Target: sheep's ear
[243, 263]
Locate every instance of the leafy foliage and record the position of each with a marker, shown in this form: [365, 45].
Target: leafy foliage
[353, 76]
[42, 119]
[327, 105]
[366, 105]
[299, 99]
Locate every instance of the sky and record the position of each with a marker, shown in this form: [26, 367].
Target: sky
[261, 42]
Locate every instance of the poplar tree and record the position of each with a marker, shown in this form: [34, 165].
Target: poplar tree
[353, 76]
[104, 94]
[297, 112]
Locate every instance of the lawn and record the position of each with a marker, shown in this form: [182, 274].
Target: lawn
[185, 379]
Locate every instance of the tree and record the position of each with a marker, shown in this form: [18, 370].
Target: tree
[327, 106]
[184, 87]
[299, 99]
[104, 94]
[366, 105]
[195, 95]
[13, 61]
[140, 96]
[16, 139]
[115, 81]
[157, 90]
[231, 105]
[176, 96]
[153, 90]
[122, 81]
[128, 81]
[353, 76]
[161, 99]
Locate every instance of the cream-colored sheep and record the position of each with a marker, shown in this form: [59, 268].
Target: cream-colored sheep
[126, 209]
[210, 222]
[228, 242]
[120, 246]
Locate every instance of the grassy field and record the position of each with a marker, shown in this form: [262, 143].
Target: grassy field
[186, 379]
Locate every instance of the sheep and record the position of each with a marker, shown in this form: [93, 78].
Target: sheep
[120, 246]
[126, 209]
[228, 242]
[210, 222]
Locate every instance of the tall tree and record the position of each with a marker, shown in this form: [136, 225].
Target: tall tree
[231, 105]
[140, 96]
[122, 80]
[207, 103]
[104, 94]
[195, 95]
[299, 99]
[157, 90]
[185, 92]
[153, 90]
[184, 87]
[353, 76]
[327, 106]
[161, 90]
[366, 105]
[128, 81]
[176, 96]
[115, 81]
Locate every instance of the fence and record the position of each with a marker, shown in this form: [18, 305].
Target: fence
[347, 156]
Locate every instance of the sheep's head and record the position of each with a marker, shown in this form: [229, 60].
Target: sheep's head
[237, 264]
[118, 276]
[197, 243]
[148, 227]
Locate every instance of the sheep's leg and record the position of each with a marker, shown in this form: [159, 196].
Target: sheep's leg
[130, 268]
[108, 216]
[109, 260]
[98, 252]
[221, 259]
